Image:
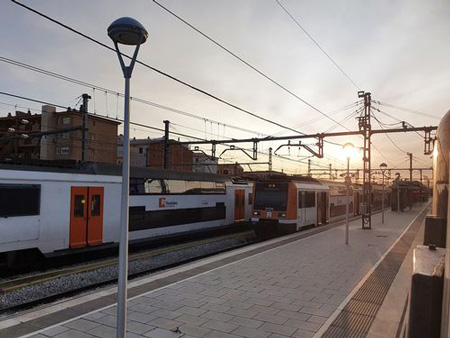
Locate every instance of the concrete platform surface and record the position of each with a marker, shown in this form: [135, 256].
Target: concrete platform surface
[293, 290]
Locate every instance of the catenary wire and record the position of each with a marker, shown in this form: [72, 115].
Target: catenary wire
[248, 64]
[317, 44]
[157, 70]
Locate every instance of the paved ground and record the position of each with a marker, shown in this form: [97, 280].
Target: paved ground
[288, 291]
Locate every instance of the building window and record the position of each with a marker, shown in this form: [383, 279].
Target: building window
[65, 120]
[58, 151]
[65, 150]
[65, 135]
[225, 171]
[141, 150]
[92, 136]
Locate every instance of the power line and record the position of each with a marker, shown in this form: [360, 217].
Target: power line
[248, 64]
[113, 92]
[155, 69]
[392, 141]
[163, 73]
[105, 117]
[411, 111]
[317, 44]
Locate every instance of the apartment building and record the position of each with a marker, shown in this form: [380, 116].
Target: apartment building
[54, 135]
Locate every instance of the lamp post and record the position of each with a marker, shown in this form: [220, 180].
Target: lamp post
[349, 150]
[383, 167]
[126, 31]
[398, 192]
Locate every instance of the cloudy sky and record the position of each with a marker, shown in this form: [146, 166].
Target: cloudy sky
[397, 50]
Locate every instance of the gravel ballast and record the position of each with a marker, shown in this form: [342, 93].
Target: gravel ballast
[83, 280]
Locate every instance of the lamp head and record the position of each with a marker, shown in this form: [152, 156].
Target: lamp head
[349, 149]
[127, 31]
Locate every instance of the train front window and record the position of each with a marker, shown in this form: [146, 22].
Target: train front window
[271, 195]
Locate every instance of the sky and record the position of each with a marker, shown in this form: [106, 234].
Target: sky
[397, 50]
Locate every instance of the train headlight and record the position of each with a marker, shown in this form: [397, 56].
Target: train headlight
[255, 213]
[281, 214]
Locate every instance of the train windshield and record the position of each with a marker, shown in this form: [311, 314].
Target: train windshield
[271, 195]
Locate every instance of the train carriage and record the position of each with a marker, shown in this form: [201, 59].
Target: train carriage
[60, 210]
[291, 204]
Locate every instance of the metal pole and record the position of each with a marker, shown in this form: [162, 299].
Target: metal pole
[123, 242]
[382, 201]
[410, 166]
[270, 159]
[309, 167]
[84, 111]
[166, 144]
[347, 179]
[398, 195]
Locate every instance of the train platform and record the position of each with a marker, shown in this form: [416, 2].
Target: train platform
[308, 284]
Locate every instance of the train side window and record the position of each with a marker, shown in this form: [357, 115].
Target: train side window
[136, 186]
[96, 203]
[193, 187]
[177, 186]
[78, 207]
[310, 199]
[250, 198]
[153, 187]
[301, 197]
[19, 200]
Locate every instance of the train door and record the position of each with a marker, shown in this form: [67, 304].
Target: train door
[310, 208]
[301, 212]
[321, 208]
[239, 205]
[86, 216]
[95, 216]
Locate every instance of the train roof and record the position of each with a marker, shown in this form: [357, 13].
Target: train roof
[114, 170]
[292, 178]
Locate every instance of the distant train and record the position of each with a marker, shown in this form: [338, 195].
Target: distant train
[55, 211]
[289, 204]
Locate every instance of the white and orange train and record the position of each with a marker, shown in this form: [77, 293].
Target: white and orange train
[53, 211]
[292, 203]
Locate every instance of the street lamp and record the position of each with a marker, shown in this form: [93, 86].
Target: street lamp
[126, 31]
[349, 150]
[383, 167]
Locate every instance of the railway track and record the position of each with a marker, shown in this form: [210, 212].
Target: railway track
[13, 286]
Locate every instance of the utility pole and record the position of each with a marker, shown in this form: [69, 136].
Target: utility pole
[270, 159]
[366, 129]
[329, 172]
[166, 144]
[410, 165]
[84, 111]
[420, 171]
[309, 167]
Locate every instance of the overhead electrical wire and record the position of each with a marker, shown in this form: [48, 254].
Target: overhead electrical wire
[113, 92]
[317, 44]
[138, 124]
[247, 64]
[157, 70]
[411, 111]
[105, 117]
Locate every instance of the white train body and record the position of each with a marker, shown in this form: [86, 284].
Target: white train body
[56, 211]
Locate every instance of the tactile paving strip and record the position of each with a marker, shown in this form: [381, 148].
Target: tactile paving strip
[356, 318]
